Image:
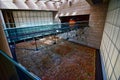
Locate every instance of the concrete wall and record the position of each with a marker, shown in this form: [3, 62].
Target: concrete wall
[96, 22]
[3, 41]
[110, 45]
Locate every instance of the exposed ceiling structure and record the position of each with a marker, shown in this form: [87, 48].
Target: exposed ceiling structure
[40, 4]
[31, 4]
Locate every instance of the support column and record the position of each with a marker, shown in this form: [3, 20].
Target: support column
[3, 40]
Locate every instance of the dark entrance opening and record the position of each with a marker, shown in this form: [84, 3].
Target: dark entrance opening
[81, 20]
[76, 18]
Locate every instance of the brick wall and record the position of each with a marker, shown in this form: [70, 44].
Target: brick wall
[96, 21]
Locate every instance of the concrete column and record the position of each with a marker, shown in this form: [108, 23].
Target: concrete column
[2, 19]
[3, 41]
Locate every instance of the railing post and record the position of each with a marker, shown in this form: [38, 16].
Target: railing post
[36, 48]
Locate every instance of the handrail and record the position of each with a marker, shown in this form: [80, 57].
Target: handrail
[77, 22]
[19, 66]
[13, 37]
[21, 32]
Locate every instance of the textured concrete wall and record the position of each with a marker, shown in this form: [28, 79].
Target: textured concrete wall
[96, 21]
[110, 45]
[3, 41]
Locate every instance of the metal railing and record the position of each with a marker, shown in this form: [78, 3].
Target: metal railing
[17, 34]
[21, 72]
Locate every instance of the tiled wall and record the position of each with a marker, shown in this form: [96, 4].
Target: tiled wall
[96, 22]
[110, 45]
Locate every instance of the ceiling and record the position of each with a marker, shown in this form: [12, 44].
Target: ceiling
[40, 4]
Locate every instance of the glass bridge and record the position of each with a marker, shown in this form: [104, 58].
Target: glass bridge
[26, 33]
